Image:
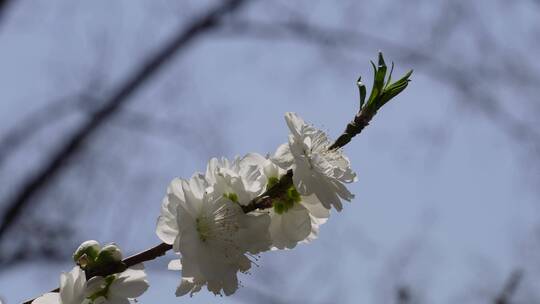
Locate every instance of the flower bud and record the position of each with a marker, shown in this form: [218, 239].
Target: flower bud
[86, 253]
[109, 253]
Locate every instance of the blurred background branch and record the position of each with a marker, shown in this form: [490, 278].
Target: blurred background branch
[509, 288]
[122, 95]
[4, 6]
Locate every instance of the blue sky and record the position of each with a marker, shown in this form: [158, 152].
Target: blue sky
[443, 198]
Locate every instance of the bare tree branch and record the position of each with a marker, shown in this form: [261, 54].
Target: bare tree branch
[403, 295]
[4, 5]
[27, 127]
[181, 41]
[510, 288]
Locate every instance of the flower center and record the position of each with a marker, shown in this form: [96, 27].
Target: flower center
[203, 228]
[220, 224]
[287, 200]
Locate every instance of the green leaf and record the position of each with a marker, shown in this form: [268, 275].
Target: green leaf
[394, 89]
[381, 60]
[390, 76]
[363, 92]
[383, 89]
[379, 78]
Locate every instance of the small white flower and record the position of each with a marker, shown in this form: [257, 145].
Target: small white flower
[118, 288]
[296, 222]
[72, 289]
[114, 289]
[240, 180]
[212, 234]
[316, 170]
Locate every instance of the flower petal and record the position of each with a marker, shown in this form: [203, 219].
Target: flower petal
[291, 227]
[186, 285]
[283, 157]
[48, 298]
[175, 265]
[294, 122]
[130, 284]
[167, 227]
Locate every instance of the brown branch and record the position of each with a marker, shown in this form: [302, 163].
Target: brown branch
[124, 93]
[360, 121]
[147, 255]
[264, 201]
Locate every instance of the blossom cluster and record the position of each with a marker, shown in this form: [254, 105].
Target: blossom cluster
[220, 220]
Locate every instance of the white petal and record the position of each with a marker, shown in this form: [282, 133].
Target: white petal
[175, 265]
[315, 207]
[254, 236]
[130, 284]
[342, 191]
[100, 300]
[296, 222]
[186, 285]
[325, 192]
[94, 285]
[252, 159]
[72, 286]
[230, 285]
[294, 122]
[315, 224]
[191, 203]
[66, 287]
[303, 180]
[116, 300]
[283, 157]
[48, 298]
[175, 187]
[167, 227]
[291, 227]
[198, 186]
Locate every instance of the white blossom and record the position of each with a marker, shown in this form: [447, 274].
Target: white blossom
[292, 224]
[317, 170]
[113, 289]
[240, 179]
[118, 288]
[72, 289]
[210, 231]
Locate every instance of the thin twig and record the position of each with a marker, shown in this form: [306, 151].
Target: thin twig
[360, 121]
